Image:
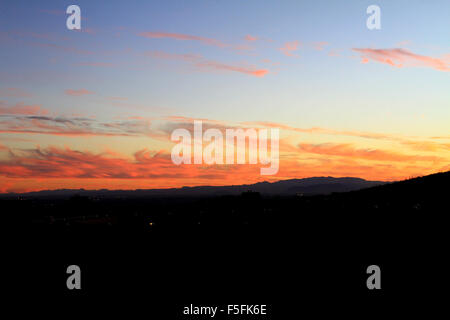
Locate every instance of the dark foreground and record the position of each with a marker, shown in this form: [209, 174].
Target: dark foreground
[291, 253]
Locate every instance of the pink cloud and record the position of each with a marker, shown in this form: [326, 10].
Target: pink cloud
[77, 93]
[334, 53]
[203, 64]
[57, 13]
[86, 30]
[250, 38]
[118, 98]
[404, 43]
[21, 109]
[53, 12]
[243, 47]
[319, 45]
[402, 58]
[289, 48]
[179, 36]
[62, 48]
[221, 66]
[95, 64]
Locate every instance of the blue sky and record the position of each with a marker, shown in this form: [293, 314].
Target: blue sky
[341, 24]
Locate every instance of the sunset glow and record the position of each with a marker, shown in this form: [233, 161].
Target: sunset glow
[95, 108]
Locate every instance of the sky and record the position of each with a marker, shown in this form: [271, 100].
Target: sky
[95, 108]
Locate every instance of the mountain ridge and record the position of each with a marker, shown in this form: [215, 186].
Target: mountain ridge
[305, 186]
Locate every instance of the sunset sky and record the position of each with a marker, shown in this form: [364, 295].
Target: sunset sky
[95, 108]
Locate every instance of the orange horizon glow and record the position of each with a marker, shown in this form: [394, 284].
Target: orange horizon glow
[51, 167]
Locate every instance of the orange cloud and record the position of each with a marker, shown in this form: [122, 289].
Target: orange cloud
[57, 163]
[289, 48]
[319, 130]
[77, 93]
[53, 167]
[65, 167]
[179, 36]
[402, 58]
[426, 145]
[346, 150]
[419, 145]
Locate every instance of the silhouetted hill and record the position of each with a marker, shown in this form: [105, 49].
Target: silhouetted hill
[313, 202]
[398, 226]
[307, 186]
[428, 193]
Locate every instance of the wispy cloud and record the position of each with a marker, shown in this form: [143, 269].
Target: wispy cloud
[320, 130]
[426, 145]
[250, 38]
[183, 37]
[66, 163]
[334, 53]
[410, 142]
[221, 66]
[117, 98]
[73, 126]
[319, 45]
[66, 166]
[347, 150]
[96, 64]
[53, 12]
[297, 160]
[62, 48]
[77, 93]
[402, 58]
[21, 109]
[203, 64]
[289, 48]
[14, 93]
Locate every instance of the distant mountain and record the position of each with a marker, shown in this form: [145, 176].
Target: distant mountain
[307, 186]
